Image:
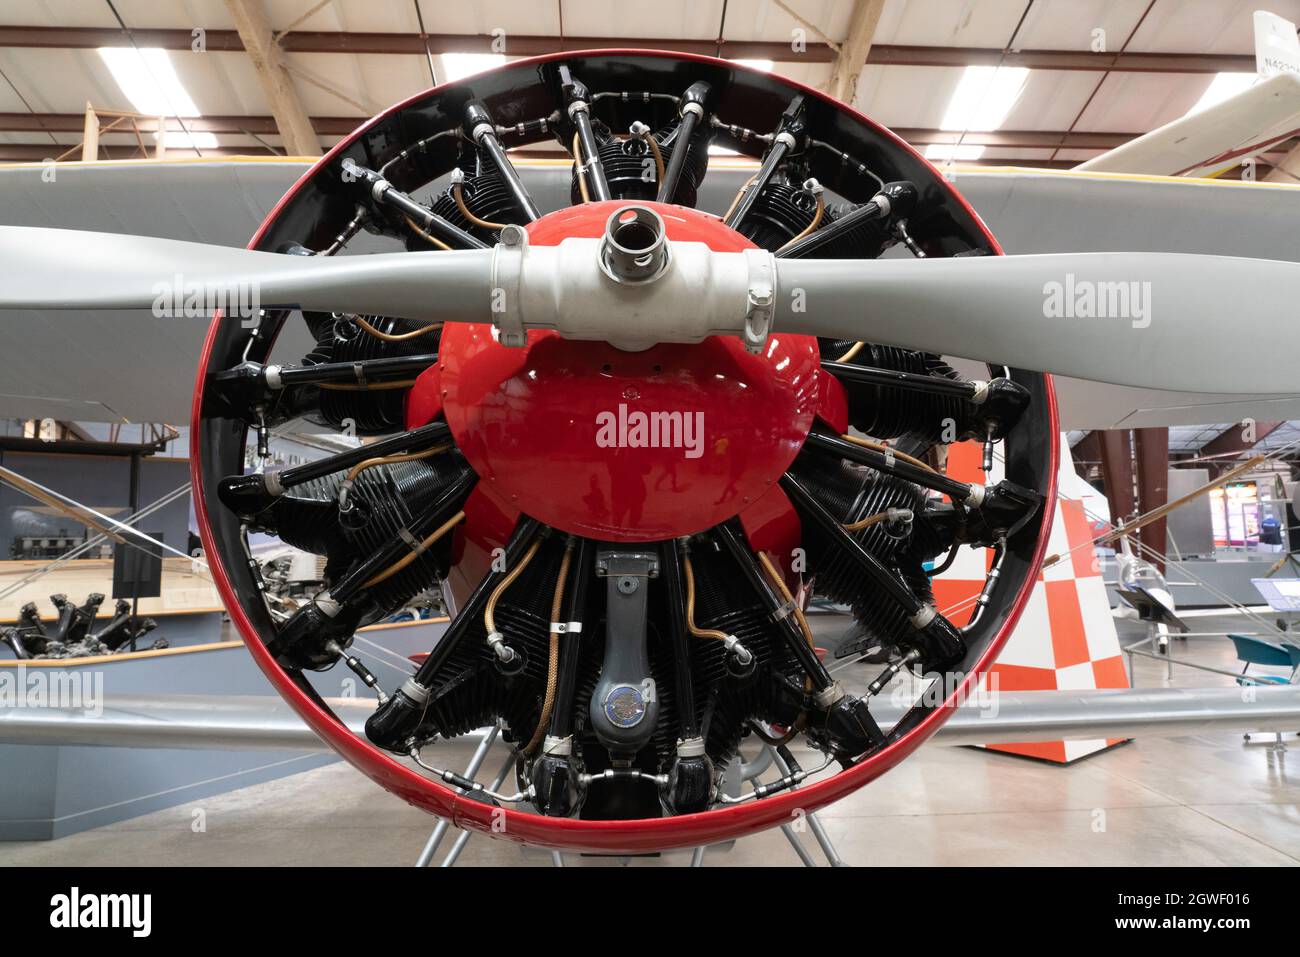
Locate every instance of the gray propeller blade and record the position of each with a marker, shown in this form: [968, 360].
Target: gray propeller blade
[74, 269]
[1156, 320]
[1204, 324]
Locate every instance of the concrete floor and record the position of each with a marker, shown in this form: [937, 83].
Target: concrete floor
[1198, 800]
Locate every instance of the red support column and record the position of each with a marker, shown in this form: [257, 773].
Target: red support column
[1117, 473]
[1087, 455]
[1153, 489]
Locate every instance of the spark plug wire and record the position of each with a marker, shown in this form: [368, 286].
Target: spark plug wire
[496, 640]
[553, 656]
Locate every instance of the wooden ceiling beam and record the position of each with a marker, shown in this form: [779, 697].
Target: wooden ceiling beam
[855, 49]
[291, 118]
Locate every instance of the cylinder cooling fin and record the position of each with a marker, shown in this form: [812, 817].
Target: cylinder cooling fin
[631, 162]
[346, 340]
[631, 544]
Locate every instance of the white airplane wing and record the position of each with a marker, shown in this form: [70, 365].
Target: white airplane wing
[1214, 139]
[1220, 136]
[88, 366]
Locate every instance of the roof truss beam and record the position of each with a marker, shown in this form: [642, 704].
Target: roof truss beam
[318, 41]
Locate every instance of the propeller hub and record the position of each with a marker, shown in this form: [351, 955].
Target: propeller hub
[634, 248]
[618, 445]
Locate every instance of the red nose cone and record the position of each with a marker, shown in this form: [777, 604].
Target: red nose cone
[627, 446]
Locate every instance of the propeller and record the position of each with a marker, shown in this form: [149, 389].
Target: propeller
[1173, 321]
[1153, 320]
[75, 269]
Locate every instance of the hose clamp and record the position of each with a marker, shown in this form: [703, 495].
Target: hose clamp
[690, 747]
[828, 696]
[415, 691]
[785, 610]
[327, 604]
[412, 542]
[923, 617]
[760, 299]
[271, 482]
[507, 269]
[558, 747]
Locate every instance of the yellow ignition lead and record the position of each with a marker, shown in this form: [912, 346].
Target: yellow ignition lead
[496, 640]
[405, 560]
[396, 336]
[553, 656]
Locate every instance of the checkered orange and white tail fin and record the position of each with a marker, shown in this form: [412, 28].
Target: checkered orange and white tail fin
[1066, 638]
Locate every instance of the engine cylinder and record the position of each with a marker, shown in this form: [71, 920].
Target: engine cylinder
[383, 500]
[630, 168]
[852, 493]
[365, 412]
[890, 413]
[488, 198]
